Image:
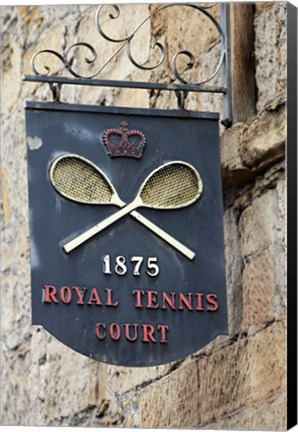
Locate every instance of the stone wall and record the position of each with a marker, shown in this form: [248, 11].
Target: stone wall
[236, 382]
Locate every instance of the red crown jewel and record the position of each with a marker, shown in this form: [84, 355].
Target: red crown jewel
[124, 142]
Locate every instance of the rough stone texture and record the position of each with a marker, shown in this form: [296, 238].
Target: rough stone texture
[173, 402]
[264, 137]
[270, 51]
[281, 252]
[250, 149]
[263, 245]
[258, 232]
[267, 365]
[237, 381]
[242, 374]
[255, 372]
[233, 271]
[230, 150]
[258, 287]
[261, 416]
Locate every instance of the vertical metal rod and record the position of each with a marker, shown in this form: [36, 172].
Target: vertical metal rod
[226, 70]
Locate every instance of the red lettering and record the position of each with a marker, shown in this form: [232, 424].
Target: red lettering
[115, 331]
[139, 298]
[187, 302]
[80, 293]
[109, 302]
[211, 298]
[151, 300]
[50, 294]
[168, 300]
[66, 295]
[199, 303]
[94, 297]
[163, 328]
[98, 331]
[148, 331]
[131, 332]
[127, 332]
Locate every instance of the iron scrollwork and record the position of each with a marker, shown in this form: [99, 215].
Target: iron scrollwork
[67, 54]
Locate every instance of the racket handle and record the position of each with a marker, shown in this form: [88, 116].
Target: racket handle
[164, 235]
[86, 235]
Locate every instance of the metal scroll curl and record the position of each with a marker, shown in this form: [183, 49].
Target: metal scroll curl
[68, 54]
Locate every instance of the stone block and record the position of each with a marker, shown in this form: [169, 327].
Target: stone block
[245, 373]
[267, 363]
[15, 306]
[281, 251]
[262, 228]
[47, 380]
[5, 208]
[270, 52]
[121, 380]
[173, 401]
[258, 224]
[249, 149]
[230, 148]
[263, 139]
[232, 168]
[15, 399]
[268, 415]
[58, 375]
[223, 381]
[261, 6]
[11, 61]
[233, 270]
[259, 290]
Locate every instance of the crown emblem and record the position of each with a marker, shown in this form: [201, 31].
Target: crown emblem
[124, 142]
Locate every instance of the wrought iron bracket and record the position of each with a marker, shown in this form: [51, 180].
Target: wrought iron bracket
[181, 86]
[181, 97]
[226, 71]
[56, 90]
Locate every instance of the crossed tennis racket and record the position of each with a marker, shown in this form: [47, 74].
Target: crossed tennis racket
[173, 185]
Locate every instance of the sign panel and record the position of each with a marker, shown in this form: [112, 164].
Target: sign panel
[127, 255]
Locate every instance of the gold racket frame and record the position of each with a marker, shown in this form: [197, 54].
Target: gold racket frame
[178, 162]
[115, 200]
[129, 208]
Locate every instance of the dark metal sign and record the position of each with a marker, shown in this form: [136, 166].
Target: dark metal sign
[127, 256]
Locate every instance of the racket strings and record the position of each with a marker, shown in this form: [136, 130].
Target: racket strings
[172, 186]
[81, 182]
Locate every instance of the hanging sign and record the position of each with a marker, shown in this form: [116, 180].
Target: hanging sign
[127, 255]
